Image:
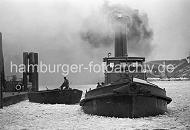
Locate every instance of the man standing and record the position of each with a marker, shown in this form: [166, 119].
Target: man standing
[65, 84]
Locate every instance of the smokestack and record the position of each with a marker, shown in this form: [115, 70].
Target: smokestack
[1, 72]
[120, 42]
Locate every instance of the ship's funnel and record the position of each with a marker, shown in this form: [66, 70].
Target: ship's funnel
[120, 42]
[121, 24]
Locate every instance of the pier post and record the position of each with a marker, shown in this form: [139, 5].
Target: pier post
[1, 72]
[30, 60]
[31, 69]
[36, 72]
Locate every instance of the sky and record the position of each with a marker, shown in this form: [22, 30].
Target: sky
[53, 28]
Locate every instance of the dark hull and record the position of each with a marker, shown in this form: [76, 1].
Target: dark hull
[14, 98]
[126, 100]
[126, 106]
[56, 96]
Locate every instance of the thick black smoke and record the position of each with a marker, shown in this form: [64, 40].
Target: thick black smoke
[99, 28]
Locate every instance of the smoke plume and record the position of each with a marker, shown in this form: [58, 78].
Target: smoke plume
[73, 31]
[101, 26]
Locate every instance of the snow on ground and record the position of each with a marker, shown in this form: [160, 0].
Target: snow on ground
[26, 115]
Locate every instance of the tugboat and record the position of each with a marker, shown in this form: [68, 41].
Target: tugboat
[126, 93]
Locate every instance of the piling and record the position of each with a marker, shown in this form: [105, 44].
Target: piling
[25, 73]
[1, 72]
[31, 61]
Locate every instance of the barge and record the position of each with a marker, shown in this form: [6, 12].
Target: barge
[56, 96]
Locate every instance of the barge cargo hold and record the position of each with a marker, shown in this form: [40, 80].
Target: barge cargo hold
[56, 96]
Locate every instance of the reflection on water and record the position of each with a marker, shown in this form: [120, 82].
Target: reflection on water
[26, 115]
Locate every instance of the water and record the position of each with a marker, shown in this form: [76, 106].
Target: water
[26, 115]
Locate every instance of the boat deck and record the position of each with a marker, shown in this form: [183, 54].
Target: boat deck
[9, 94]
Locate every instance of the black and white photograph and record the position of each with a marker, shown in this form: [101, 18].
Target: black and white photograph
[94, 65]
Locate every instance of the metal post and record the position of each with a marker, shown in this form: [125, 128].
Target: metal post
[36, 71]
[25, 62]
[1, 72]
[33, 71]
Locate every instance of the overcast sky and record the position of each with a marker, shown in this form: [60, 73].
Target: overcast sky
[50, 27]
